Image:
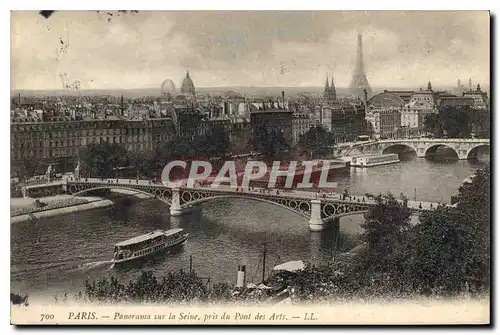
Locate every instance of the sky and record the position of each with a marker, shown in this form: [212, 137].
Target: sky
[110, 50]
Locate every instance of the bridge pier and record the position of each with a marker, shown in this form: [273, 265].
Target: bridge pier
[316, 222]
[176, 209]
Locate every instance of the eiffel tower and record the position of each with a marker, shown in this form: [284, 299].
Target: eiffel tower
[359, 83]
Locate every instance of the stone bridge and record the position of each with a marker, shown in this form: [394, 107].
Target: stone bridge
[319, 210]
[464, 148]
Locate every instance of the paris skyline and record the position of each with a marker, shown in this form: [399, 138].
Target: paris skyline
[103, 51]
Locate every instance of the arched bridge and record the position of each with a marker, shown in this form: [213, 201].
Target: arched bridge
[319, 209]
[464, 148]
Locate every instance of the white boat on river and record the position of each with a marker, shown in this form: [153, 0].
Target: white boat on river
[147, 244]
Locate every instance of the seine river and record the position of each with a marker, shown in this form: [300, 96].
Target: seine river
[55, 255]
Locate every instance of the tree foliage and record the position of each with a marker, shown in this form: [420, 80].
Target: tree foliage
[432, 124]
[455, 121]
[317, 141]
[102, 159]
[446, 253]
[386, 234]
[269, 141]
[30, 168]
[214, 144]
[458, 239]
[175, 287]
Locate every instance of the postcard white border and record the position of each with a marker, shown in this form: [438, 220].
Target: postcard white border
[191, 4]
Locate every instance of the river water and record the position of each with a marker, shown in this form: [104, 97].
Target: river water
[55, 255]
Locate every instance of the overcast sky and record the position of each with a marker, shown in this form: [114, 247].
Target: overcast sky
[401, 49]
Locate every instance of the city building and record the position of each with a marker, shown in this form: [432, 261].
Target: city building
[480, 98]
[383, 115]
[273, 120]
[414, 112]
[238, 129]
[301, 123]
[187, 86]
[347, 120]
[58, 143]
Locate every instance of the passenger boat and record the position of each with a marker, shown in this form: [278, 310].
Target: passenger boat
[143, 245]
[372, 160]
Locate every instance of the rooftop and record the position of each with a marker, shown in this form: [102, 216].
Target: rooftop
[275, 110]
[148, 236]
[386, 100]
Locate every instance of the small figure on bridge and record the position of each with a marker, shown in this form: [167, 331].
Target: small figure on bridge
[129, 181]
[431, 205]
[420, 206]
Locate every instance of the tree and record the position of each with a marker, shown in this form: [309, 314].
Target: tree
[433, 125]
[142, 164]
[452, 245]
[387, 234]
[269, 141]
[456, 121]
[102, 159]
[174, 287]
[214, 144]
[480, 122]
[29, 168]
[317, 141]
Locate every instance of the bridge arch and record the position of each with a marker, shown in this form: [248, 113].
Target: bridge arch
[341, 215]
[162, 195]
[393, 146]
[473, 151]
[302, 208]
[431, 150]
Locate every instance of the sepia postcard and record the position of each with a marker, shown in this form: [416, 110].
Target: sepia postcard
[250, 167]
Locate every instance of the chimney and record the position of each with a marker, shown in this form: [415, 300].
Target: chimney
[121, 105]
[283, 98]
[240, 279]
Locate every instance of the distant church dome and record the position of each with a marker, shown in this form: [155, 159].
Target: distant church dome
[168, 87]
[187, 86]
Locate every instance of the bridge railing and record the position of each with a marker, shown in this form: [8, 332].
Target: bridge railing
[468, 140]
[285, 193]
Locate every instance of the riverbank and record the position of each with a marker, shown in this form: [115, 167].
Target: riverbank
[22, 209]
[60, 205]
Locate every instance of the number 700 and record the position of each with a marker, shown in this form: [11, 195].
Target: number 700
[46, 317]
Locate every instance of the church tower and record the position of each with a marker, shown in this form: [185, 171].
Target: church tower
[333, 91]
[326, 93]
